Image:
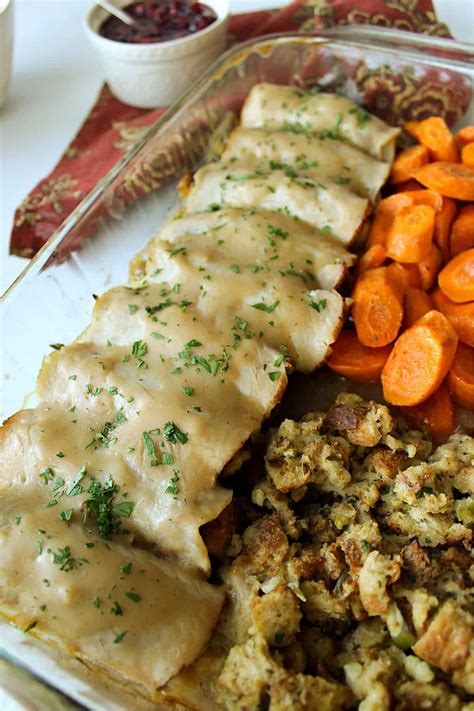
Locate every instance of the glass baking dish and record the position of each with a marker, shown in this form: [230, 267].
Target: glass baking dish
[396, 75]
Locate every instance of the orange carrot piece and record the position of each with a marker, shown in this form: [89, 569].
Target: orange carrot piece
[442, 229]
[462, 231]
[417, 303]
[461, 316]
[436, 136]
[435, 414]
[460, 379]
[404, 276]
[407, 161]
[454, 180]
[467, 154]
[411, 185]
[419, 360]
[384, 214]
[412, 128]
[373, 258]
[410, 236]
[429, 267]
[354, 361]
[456, 280]
[376, 308]
[465, 135]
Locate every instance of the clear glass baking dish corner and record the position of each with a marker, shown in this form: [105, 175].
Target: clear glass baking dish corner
[396, 75]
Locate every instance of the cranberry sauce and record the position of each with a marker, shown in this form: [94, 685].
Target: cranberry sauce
[159, 21]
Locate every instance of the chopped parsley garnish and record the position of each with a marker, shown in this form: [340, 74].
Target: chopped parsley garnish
[74, 487]
[173, 487]
[47, 475]
[318, 305]
[116, 608]
[101, 506]
[96, 601]
[17, 520]
[66, 515]
[274, 375]
[139, 349]
[120, 637]
[235, 268]
[59, 455]
[177, 250]
[173, 434]
[56, 346]
[65, 560]
[342, 180]
[133, 596]
[126, 568]
[132, 308]
[277, 232]
[263, 307]
[188, 391]
[31, 626]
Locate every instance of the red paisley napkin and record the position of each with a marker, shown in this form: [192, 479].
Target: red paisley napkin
[112, 127]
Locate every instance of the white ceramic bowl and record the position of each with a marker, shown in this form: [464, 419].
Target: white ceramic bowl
[151, 75]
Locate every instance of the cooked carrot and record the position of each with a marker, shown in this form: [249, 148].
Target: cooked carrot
[376, 309]
[462, 231]
[407, 161]
[373, 258]
[460, 379]
[412, 128]
[419, 360]
[461, 316]
[456, 280]
[442, 229]
[455, 180]
[467, 153]
[410, 236]
[411, 184]
[404, 276]
[465, 135]
[429, 267]
[355, 361]
[435, 414]
[389, 207]
[417, 303]
[426, 197]
[436, 136]
[385, 212]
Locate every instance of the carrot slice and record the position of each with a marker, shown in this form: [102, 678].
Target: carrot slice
[462, 232]
[456, 280]
[376, 309]
[410, 236]
[385, 212]
[355, 361]
[404, 276]
[412, 128]
[460, 379]
[461, 316]
[435, 414]
[455, 180]
[429, 267]
[417, 303]
[467, 154]
[407, 161]
[373, 258]
[443, 222]
[436, 136]
[419, 360]
[465, 135]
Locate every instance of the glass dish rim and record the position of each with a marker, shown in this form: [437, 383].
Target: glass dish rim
[369, 36]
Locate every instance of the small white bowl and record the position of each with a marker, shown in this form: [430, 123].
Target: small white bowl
[151, 75]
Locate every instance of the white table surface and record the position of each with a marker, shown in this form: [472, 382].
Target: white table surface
[55, 80]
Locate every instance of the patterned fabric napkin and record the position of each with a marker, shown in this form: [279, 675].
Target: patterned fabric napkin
[112, 127]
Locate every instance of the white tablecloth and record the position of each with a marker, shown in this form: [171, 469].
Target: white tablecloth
[56, 78]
